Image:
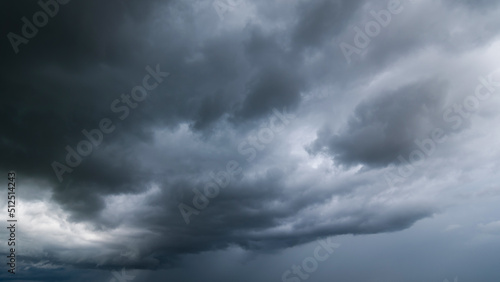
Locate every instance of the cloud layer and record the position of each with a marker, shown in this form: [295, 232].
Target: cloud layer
[265, 88]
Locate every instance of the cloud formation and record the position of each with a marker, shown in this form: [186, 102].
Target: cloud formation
[321, 175]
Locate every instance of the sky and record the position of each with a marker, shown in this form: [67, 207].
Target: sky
[242, 141]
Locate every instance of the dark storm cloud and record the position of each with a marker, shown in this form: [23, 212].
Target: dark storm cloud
[384, 127]
[225, 82]
[249, 214]
[67, 90]
[75, 67]
[321, 21]
[273, 88]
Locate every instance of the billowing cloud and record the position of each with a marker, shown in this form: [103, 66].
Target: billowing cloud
[147, 132]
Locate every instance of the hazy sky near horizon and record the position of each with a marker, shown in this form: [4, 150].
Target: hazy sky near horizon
[230, 140]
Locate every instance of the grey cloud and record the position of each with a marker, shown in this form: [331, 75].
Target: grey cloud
[385, 126]
[226, 79]
[321, 21]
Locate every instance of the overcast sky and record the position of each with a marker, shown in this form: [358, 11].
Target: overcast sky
[242, 141]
